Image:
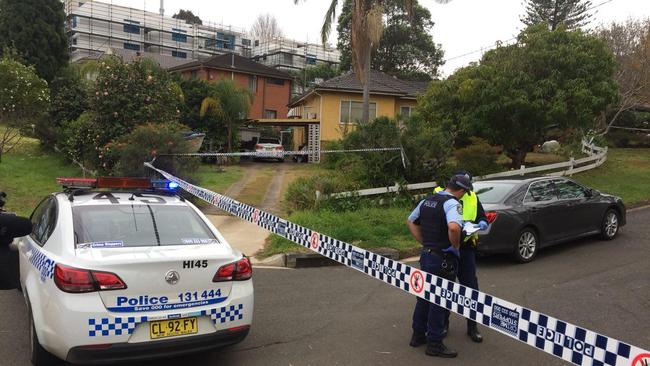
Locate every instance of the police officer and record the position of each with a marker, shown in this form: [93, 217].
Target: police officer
[437, 224]
[11, 226]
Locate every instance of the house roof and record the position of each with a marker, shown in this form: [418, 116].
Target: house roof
[236, 63]
[129, 56]
[380, 83]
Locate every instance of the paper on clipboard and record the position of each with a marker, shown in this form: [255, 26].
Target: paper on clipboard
[470, 228]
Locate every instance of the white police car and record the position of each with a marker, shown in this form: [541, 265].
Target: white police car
[128, 274]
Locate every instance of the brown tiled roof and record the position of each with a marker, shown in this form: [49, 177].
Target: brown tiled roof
[128, 56]
[236, 63]
[380, 83]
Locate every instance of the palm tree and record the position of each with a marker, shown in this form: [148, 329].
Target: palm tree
[228, 104]
[367, 27]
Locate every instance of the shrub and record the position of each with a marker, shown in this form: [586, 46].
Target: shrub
[479, 158]
[126, 155]
[77, 139]
[301, 193]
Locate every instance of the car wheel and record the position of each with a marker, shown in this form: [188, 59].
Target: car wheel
[281, 160]
[609, 227]
[527, 246]
[39, 356]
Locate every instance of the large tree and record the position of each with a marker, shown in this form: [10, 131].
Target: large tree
[366, 28]
[573, 13]
[228, 105]
[549, 79]
[188, 17]
[35, 28]
[266, 27]
[406, 48]
[630, 43]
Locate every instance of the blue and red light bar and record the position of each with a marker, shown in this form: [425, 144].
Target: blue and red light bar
[116, 183]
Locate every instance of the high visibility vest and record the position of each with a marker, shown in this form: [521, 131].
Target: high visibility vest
[470, 209]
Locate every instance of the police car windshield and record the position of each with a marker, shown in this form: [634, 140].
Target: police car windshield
[138, 225]
[493, 192]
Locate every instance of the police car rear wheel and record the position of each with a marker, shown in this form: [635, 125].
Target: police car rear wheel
[610, 225]
[527, 246]
[39, 356]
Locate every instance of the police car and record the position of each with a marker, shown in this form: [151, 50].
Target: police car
[117, 269]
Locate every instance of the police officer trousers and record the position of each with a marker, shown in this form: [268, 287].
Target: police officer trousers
[430, 318]
[466, 273]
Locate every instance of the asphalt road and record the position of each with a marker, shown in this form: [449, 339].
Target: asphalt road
[338, 316]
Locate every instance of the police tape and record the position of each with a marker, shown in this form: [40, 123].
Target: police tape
[276, 153]
[569, 342]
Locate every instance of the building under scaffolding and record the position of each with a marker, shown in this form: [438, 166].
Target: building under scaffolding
[290, 55]
[94, 27]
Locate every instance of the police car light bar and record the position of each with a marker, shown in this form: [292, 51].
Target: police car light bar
[117, 182]
[77, 182]
[114, 182]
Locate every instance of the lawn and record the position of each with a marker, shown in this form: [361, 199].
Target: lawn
[28, 174]
[216, 178]
[366, 227]
[626, 173]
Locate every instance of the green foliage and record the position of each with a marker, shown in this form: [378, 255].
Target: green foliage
[23, 99]
[549, 79]
[36, 29]
[427, 149]
[572, 13]
[301, 193]
[479, 158]
[77, 138]
[307, 77]
[188, 17]
[223, 110]
[406, 48]
[128, 152]
[125, 96]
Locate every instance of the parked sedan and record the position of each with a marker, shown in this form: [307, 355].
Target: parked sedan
[532, 213]
[269, 148]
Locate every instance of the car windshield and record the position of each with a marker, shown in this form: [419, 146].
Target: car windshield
[493, 192]
[138, 225]
[269, 140]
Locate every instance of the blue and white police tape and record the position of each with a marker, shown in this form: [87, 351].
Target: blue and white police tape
[569, 342]
[275, 153]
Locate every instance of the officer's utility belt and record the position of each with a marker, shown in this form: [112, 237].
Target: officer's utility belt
[448, 267]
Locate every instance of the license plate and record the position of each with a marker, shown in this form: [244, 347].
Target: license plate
[173, 327]
[268, 148]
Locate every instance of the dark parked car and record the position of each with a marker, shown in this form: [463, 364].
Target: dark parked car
[532, 213]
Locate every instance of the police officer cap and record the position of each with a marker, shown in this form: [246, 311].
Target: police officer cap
[462, 181]
[465, 173]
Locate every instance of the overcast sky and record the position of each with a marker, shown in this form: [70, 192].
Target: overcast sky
[462, 26]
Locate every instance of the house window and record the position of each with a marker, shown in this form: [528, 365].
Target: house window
[310, 59]
[405, 111]
[179, 37]
[74, 41]
[131, 28]
[131, 46]
[269, 113]
[287, 59]
[245, 42]
[193, 74]
[252, 83]
[74, 21]
[257, 43]
[351, 111]
[275, 81]
[179, 54]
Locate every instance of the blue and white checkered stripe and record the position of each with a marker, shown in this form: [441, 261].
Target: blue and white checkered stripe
[553, 336]
[41, 262]
[116, 326]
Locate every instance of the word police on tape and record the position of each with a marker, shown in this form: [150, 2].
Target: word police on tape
[569, 342]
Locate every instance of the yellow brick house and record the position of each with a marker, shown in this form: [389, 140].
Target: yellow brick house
[337, 103]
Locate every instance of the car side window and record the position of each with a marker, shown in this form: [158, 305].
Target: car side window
[569, 190]
[543, 191]
[44, 220]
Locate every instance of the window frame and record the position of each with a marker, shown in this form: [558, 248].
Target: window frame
[275, 81]
[570, 182]
[275, 113]
[350, 101]
[47, 203]
[410, 108]
[131, 28]
[179, 54]
[131, 46]
[252, 83]
[547, 181]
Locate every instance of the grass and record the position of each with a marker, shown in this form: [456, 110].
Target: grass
[211, 176]
[626, 173]
[254, 192]
[28, 174]
[374, 227]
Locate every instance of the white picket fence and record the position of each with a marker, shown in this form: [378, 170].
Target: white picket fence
[597, 156]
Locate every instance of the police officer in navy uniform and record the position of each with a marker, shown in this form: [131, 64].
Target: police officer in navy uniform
[437, 224]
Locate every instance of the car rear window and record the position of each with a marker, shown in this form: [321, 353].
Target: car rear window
[269, 140]
[138, 225]
[493, 192]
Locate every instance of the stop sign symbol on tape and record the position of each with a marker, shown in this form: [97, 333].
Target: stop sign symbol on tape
[417, 281]
[314, 240]
[256, 216]
[642, 360]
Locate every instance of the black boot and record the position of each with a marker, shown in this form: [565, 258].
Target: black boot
[439, 349]
[418, 339]
[472, 332]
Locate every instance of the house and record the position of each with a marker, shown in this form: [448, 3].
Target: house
[271, 88]
[338, 102]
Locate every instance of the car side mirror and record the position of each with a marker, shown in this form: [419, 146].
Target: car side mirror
[12, 226]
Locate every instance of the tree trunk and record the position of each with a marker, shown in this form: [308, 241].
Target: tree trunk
[229, 136]
[365, 117]
[518, 157]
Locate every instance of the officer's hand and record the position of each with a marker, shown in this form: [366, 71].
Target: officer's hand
[452, 249]
[483, 225]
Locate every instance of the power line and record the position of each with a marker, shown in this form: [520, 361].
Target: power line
[513, 38]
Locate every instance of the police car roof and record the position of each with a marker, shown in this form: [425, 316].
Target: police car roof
[121, 197]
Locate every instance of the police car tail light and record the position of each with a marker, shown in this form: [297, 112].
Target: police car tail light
[491, 216]
[237, 271]
[76, 280]
[279, 147]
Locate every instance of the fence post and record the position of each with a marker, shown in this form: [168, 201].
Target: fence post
[522, 170]
[396, 188]
[317, 195]
[572, 161]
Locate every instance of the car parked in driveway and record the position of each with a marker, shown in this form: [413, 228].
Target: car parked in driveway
[269, 148]
[528, 214]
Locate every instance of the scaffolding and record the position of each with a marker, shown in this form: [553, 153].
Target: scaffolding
[94, 27]
[286, 54]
